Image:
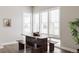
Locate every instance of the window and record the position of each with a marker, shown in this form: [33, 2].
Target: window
[54, 21]
[36, 22]
[26, 23]
[44, 22]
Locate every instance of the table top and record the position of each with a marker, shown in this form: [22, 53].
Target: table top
[42, 35]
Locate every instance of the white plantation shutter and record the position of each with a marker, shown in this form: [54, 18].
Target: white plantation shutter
[44, 22]
[36, 22]
[54, 22]
[26, 23]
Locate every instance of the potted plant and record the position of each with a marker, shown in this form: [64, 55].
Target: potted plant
[74, 28]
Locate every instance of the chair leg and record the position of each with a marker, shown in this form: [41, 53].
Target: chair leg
[21, 46]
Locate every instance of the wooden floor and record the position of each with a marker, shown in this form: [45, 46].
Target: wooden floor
[12, 49]
[56, 50]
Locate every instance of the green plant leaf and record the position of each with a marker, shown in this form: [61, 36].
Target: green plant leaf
[73, 29]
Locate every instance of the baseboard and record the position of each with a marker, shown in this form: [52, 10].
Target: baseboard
[69, 49]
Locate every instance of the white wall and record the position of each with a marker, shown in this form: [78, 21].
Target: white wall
[67, 14]
[11, 34]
